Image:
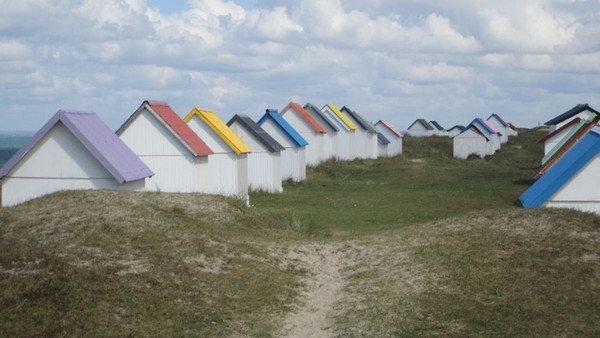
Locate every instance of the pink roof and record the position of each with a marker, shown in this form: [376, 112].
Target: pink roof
[306, 116]
[390, 127]
[494, 129]
[175, 124]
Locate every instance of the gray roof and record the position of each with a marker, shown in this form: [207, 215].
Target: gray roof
[260, 134]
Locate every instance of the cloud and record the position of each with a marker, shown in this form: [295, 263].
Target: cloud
[448, 61]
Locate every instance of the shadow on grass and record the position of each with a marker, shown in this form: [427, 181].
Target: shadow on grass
[524, 181]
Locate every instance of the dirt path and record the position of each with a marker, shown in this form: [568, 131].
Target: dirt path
[324, 263]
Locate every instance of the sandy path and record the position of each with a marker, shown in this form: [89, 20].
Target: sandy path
[324, 263]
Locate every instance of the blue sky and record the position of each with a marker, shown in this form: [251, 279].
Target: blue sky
[449, 61]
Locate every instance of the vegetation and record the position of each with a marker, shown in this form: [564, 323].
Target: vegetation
[432, 245]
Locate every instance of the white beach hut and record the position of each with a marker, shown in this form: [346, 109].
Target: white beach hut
[421, 128]
[74, 150]
[496, 121]
[346, 140]
[293, 158]
[228, 166]
[392, 135]
[309, 129]
[161, 139]
[471, 141]
[264, 162]
[582, 111]
[369, 143]
[330, 143]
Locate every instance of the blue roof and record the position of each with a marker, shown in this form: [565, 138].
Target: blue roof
[116, 157]
[483, 124]
[382, 139]
[562, 171]
[274, 115]
[311, 108]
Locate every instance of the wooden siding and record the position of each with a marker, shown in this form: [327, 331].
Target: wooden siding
[470, 142]
[314, 149]
[293, 158]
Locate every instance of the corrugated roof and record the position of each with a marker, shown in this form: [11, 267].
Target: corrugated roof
[571, 112]
[163, 112]
[390, 127]
[310, 108]
[260, 134]
[220, 128]
[342, 116]
[437, 125]
[575, 159]
[274, 115]
[557, 131]
[564, 146]
[306, 116]
[382, 139]
[423, 122]
[98, 139]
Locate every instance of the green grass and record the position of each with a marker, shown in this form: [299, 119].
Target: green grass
[441, 247]
[424, 184]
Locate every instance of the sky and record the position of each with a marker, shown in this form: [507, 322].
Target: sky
[395, 60]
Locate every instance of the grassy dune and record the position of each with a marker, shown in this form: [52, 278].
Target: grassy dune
[432, 246]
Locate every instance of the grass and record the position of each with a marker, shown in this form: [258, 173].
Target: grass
[441, 247]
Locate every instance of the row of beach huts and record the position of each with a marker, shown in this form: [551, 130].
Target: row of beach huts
[567, 175]
[156, 150]
[481, 137]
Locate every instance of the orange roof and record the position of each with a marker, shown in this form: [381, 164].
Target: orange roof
[306, 116]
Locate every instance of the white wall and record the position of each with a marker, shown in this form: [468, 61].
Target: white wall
[469, 142]
[314, 149]
[293, 158]
[58, 162]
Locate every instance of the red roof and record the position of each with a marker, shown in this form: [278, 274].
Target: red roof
[185, 133]
[394, 130]
[306, 116]
[552, 134]
[512, 126]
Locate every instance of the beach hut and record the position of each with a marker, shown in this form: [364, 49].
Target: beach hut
[490, 132]
[168, 146]
[366, 134]
[457, 129]
[471, 141]
[346, 139]
[228, 166]
[562, 147]
[309, 129]
[74, 150]
[552, 139]
[264, 162]
[330, 143]
[512, 131]
[582, 111]
[496, 121]
[383, 146]
[391, 134]
[420, 128]
[571, 182]
[293, 158]
[437, 128]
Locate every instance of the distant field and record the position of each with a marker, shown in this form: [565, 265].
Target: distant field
[9, 145]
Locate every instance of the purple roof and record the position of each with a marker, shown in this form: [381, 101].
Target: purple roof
[98, 139]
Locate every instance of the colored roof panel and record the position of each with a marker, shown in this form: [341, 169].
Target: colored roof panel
[492, 127]
[437, 125]
[513, 127]
[461, 128]
[306, 116]
[342, 116]
[382, 139]
[274, 115]
[499, 119]
[566, 144]
[572, 112]
[98, 139]
[311, 108]
[546, 186]
[485, 126]
[559, 130]
[361, 120]
[423, 122]
[390, 127]
[220, 128]
[260, 134]
[163, 112]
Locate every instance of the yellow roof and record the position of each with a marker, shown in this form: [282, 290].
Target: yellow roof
[342, 116]
[219, 127]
